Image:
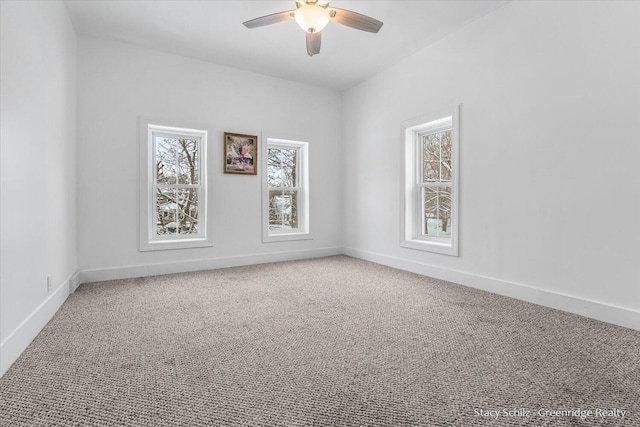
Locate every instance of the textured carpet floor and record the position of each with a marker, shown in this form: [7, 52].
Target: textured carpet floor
[328, 342]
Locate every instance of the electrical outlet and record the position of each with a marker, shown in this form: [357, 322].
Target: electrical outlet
[48, 283]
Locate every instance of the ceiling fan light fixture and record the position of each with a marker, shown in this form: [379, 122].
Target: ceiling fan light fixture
[312, 18]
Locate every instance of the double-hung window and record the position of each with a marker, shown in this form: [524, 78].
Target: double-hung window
[430, 183]
[285, 191]
[173, 186]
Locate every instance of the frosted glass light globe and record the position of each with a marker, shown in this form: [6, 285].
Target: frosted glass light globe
[312, 18]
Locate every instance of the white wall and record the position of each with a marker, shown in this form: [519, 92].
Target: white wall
[118, 83]
[38, 167]
[550, 127]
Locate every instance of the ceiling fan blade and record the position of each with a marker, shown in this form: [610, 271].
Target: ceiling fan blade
[313, 43]
[274, 18]
[355, 20]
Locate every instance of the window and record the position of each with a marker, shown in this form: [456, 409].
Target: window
[430, 183]
[285, 191]
[173, 188]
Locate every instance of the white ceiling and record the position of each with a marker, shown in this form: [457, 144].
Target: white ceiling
[213, 31]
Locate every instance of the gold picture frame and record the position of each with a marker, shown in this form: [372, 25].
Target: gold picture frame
[240, 153]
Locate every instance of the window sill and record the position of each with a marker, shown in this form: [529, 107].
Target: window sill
[430, 246]
[286, 237]
[163, 245]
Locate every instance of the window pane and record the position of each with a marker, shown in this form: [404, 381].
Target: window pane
[176, 211]
[437, 211]
[273, 167]
[166, 211]
[187, 150]
[187, 200]
[436, 157]
[283, 210]
[166, 166]
[176, 160]
[281, 167]
[445, 144]
[431, 171]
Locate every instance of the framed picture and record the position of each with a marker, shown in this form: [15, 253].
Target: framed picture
[240, 153]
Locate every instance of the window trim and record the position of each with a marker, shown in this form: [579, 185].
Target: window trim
[303, 230]
[147, 239]
[410, 211]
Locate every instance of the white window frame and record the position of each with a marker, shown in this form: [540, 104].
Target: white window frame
[303, 230]
[412, 208]
[148, 239]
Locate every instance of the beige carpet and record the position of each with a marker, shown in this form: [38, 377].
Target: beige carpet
[325, 342]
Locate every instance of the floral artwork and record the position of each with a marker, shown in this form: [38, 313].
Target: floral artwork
[240, 153]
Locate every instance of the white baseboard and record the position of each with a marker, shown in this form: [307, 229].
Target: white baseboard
[99, 275]
[74, 282]
[18, 340]
[596, 310]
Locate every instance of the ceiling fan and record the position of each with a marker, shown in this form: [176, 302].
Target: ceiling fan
[313, 16]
